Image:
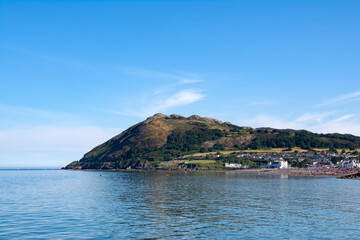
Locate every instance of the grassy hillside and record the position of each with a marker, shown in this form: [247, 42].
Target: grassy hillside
[161, 138]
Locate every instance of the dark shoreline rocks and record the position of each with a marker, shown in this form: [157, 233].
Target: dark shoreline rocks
[351, 176]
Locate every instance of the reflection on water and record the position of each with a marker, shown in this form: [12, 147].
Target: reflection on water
[212, 205]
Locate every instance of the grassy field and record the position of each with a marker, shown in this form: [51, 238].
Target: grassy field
[200, 161]
[276, 150]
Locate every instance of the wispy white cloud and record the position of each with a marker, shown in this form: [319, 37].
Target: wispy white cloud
[263, 120]
[160, 99]
[179, 77]
[342, 124]
[317, 122]
[311, 118]
[49, 57]
[183, 97]
[189, 81]
[148, 73]
[347, 98]
[163, 104]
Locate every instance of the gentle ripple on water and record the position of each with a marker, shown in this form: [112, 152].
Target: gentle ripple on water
[205, 205]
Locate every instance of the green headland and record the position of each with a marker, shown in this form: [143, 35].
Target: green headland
[177, 142]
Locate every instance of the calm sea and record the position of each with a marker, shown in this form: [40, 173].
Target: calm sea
[206, 205]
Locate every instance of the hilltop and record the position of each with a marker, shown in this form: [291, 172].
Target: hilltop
[162, 138]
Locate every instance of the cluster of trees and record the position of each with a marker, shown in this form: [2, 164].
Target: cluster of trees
[178, 143]
[298, 164]
[191, 139]
[303, 139]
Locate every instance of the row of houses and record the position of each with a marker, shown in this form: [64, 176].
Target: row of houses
[349, 164]
[280, 163]
[276, 164]
[314, 159]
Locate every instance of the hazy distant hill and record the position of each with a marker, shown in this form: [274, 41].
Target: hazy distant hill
[161, 138]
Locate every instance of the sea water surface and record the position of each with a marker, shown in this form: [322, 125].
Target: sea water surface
[197, 205]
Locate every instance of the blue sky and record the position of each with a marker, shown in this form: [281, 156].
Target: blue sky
[75, 73]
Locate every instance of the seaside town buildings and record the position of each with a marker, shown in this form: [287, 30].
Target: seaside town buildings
[308, 159]
[349, 164]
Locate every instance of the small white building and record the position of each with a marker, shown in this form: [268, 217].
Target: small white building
[278, 164]
[232, 165]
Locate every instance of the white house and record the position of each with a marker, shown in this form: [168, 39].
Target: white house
[278, 164]
[232, 165]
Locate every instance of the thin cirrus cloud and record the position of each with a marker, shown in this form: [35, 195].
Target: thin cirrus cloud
[309, 118]
[180, 77]
[49, 57]
[181, 98]
[317, 122]
[189, 81]
[148, 73]
[347, 98]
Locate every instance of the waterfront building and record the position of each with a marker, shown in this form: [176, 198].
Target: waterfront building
[278, 164]
[349, 164]
[232, 165]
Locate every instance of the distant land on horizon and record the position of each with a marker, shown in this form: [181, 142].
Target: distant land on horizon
[22, 168]
[162, 138]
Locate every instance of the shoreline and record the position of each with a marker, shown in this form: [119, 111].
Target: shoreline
[330, 172]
